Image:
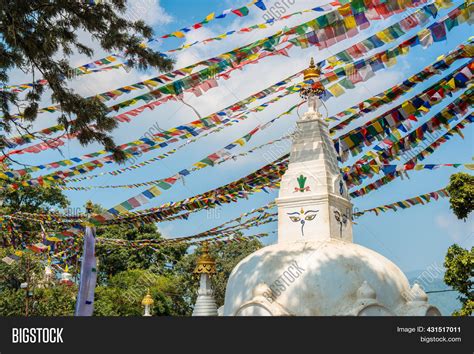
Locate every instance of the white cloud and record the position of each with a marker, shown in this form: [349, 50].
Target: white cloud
[458, 230]
[149, 11]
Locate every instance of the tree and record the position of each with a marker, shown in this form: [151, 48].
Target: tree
[459, 264]
[30, 199]
[114, 259]
[38, 38]
[124, 292]
[461, 191]
[227, 256]
[37, 299]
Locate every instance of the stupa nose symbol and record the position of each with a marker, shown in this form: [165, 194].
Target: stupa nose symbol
[302, 227]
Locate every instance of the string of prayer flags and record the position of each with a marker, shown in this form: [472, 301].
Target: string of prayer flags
[374, 12]
[323, 8]
[240, 12]
[266, 177]
[371, 162]
[410, 166]
[97, 65]
[135, 146]
[328, 77]
[443, 63]
[211, 160]
[399, 117]
[125, 117]
[235, 59]
[407, 203]
[208, 161]
[419, 156]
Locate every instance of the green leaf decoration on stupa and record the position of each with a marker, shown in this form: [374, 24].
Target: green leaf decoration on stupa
[301, 182]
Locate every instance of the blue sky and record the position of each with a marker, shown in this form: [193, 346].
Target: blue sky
[414, 239]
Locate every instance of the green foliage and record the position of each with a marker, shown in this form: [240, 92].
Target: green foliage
[56, 300]
[461, 191]
[459, 264]
[39, 37]
[123, 295]
[114, 259]
[27, 269]
[52, 299]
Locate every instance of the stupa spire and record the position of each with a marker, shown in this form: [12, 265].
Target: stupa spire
[206, 266]
[313, 196]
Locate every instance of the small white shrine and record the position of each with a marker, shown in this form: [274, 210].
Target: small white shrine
[315, 269]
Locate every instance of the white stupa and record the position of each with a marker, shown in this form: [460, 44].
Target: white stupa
[315, 269]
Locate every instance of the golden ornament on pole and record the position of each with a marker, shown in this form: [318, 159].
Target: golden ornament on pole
[312, 72]
[314, 87]
[205, 264]
[147, 302]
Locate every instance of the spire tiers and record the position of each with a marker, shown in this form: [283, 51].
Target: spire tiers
[313, 202]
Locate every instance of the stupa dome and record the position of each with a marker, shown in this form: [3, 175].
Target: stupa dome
[321, 278]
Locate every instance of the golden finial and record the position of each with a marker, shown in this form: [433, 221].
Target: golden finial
[147, 300]
[312, 72]
[205, 264]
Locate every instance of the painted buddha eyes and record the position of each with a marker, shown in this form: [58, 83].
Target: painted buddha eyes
[302, 215]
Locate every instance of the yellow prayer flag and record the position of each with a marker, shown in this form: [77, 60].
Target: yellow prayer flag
[444, 4]
[178, 34]
[121, 209]
[187, 70]
[405, 50]
[199, 165]
[155, 191]
[151, 83]
[349, 22]
[378, 127]
[332, 60]
[384, 36]
[253, 56]
[408, 107]
[345, 10]
[452, 83]
[336, 90]
[375, 168]
[210, 17]
[241, 142]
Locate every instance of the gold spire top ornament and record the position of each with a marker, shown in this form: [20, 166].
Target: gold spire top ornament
[312, 72]
[205, 264]
[314, 88]
[147, 300]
